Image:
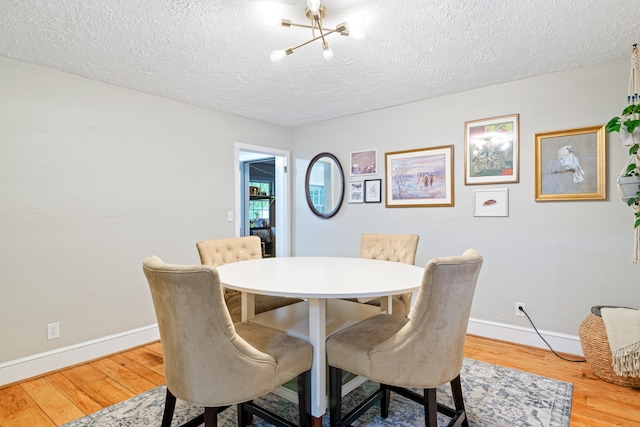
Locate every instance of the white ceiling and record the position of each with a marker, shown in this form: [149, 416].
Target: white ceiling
[215, 53]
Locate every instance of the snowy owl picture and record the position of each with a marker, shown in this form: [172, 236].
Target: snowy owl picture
[570, 161]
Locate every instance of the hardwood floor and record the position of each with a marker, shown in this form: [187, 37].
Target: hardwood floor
[59, 397]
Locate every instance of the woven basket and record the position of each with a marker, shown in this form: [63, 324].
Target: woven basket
[595, 346]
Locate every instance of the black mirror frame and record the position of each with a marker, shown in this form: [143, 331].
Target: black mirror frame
[306, 186]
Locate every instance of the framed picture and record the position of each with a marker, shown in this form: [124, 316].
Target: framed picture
[372, 191]
[364, 163]
[570, 164]
[419, 178]
[491, 150]
[491, 202]
[356, 192]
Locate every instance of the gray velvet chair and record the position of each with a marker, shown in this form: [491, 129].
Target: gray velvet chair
[424, 351]
[395, 248]
[218, 252]
[212, 362]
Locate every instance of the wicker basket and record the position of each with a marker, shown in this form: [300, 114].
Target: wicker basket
[595, 346]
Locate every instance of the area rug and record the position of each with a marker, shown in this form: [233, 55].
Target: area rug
[494, 396]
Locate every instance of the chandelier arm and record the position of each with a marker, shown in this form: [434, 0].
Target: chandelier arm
[319, 26]
[293, 24]
[312, 40]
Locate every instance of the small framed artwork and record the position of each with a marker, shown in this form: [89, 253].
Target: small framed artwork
[364, 162]
[356, 192]
[491, 150]
[570, 164]
[419, 178]
[372, 191]
[491, 202]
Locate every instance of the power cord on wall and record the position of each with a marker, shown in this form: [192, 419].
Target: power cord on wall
[545, 341]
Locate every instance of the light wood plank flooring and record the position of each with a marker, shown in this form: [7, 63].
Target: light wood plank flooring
[59, 397]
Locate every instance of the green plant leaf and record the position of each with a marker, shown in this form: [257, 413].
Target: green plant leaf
[613, 125]
[631, 124]
[637, 223]
[631, 201]
[633, 149]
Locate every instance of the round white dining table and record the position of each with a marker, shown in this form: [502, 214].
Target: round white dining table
[318, 279]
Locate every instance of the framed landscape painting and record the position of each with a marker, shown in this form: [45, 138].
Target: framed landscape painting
[491, 150]
[419, 178]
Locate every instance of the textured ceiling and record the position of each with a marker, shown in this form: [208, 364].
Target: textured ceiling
[215, 53]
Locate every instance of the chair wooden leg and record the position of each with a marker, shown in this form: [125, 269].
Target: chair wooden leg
[456, 391]
[245, 418]
[430, 408]
[169, 406]
[242, 415]
[211, 417]
[304, 398]
[385, 401]
[335, 396]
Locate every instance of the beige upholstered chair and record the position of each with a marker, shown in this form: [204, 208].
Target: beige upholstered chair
[223, 251]
[211, 362]
[395, 248]
[424, 351]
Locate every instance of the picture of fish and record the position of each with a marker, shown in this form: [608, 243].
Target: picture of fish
[489, 202]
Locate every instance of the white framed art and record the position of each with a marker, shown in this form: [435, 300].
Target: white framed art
[491, 202]
[356, 192]
[364, 163]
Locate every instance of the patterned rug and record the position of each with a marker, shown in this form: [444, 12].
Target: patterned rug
[494, 396]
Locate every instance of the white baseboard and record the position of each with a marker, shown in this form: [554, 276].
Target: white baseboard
[561, 343]
[38, 364]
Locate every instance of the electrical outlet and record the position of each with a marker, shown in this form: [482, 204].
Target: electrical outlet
[53, 331]
[518, 312]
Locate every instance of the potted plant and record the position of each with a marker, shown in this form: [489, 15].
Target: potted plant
[628, 125]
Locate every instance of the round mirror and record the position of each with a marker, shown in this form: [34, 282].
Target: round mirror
[324, 185]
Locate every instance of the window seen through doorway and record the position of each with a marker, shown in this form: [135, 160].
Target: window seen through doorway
[259, 209]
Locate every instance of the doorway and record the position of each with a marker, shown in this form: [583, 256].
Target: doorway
[262, 197]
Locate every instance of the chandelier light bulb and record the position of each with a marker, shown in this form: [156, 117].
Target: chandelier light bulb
[327, 53]
[277, 55]
[313, 5]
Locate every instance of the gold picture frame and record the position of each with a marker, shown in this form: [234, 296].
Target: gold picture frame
[571, 164]
[419, 178]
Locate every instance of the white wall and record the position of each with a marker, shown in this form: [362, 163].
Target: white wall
[560, 258]
[94, 178]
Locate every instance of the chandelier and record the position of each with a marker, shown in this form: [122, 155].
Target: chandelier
[316, 13]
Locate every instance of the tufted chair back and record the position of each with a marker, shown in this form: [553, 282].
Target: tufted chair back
[391, 247]
[218, 252]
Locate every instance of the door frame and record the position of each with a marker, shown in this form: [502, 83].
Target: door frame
[283, 191]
